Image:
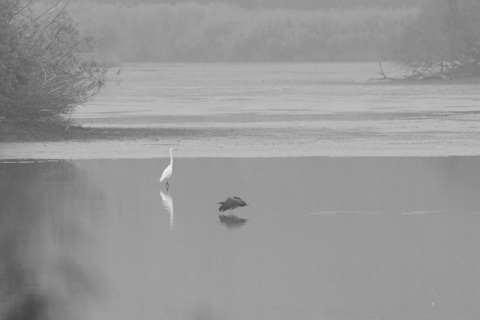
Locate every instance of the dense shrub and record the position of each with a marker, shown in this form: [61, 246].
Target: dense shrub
[44, 72]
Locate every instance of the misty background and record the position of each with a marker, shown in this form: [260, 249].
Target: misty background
[241, 30]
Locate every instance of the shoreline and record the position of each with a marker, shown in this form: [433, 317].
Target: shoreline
[279, 140]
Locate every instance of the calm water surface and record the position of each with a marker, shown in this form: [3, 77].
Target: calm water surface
[195, 94]
[322, 238]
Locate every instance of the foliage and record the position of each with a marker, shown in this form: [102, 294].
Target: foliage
[443, 40]
[222, 32]
[43, 70]
[285, 4]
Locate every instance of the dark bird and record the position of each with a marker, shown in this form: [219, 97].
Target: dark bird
[231, 203]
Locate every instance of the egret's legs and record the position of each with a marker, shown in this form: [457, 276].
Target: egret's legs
[167, 185]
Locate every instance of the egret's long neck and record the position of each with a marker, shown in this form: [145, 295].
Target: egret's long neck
[171, 158]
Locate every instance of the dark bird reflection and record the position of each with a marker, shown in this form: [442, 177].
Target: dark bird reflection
[232, 221]
[231, 203]
[167, 202]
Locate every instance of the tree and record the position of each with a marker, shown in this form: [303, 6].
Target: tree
[44, 70]
[443, 40]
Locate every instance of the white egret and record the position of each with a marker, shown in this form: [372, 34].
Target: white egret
[231, 203]
[167, 173]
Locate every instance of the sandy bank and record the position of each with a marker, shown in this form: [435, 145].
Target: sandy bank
[347, 139]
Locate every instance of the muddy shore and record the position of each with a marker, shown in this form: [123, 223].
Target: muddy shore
[429, 137]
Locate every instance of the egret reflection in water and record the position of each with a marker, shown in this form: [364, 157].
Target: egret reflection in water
[167, 202]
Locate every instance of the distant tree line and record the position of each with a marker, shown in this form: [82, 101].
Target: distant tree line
[439, 38]
[225, 33]
[289, 4]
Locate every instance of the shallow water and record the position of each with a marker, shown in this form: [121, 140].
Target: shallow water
[181, 94]
[321, 238]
